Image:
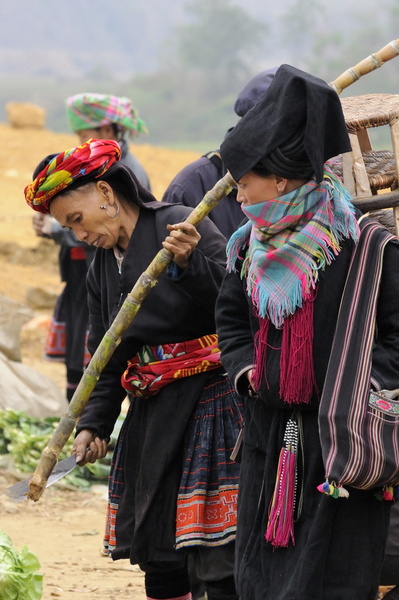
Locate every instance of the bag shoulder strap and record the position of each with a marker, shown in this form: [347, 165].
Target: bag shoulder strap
[349, 365]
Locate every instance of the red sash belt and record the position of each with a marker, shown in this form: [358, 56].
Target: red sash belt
[156, 366]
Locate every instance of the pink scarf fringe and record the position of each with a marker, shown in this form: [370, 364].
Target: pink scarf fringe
[297, 376]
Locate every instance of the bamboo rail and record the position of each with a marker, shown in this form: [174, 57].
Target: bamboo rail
[111, 339]
[380, 201]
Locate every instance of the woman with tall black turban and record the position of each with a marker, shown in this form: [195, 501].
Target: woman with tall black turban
[276, 318]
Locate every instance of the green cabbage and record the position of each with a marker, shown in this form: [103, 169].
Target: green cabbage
[18, 580]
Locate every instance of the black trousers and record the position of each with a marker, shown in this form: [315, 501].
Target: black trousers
[390, 576]
[213, 568]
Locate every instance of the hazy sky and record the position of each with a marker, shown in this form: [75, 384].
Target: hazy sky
[128, 35]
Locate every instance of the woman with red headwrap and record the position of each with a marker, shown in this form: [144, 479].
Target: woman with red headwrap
[100, 116]
[174, 485]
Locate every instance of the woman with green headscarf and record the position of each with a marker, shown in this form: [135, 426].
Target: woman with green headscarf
[107, 117]
[98, 116]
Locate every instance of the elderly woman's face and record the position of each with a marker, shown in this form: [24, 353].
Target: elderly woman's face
[80, 210]
[253, 189]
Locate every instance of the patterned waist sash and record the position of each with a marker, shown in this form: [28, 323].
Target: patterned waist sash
[156, 366]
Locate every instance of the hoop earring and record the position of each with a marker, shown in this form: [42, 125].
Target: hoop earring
[117, 209]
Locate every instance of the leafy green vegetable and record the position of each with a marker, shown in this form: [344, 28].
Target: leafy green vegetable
[18, 577]
[24, 438]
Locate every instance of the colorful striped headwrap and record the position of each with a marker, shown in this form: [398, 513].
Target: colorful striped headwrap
[289, 240]
[67, 167]
[89, 111]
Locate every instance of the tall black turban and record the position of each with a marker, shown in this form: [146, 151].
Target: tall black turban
[294, 128]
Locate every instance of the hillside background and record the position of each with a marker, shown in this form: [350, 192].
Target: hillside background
[182, 62]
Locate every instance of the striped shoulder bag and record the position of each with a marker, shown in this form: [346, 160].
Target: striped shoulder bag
[359, 429]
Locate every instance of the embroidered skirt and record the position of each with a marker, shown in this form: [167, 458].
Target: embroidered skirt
[206, 503]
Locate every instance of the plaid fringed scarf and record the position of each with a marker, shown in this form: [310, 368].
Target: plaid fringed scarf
[289, 240]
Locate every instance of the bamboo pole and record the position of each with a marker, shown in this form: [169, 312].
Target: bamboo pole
[372, 62]
[112, 338]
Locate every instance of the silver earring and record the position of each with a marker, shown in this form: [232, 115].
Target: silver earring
[106, 207]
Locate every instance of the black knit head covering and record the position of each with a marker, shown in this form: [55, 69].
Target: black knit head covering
[293, 129]
[253, 90]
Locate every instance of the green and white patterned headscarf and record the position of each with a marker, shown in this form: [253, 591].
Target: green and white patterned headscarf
[90, 110]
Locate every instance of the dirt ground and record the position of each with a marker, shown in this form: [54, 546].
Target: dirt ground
[65, 527]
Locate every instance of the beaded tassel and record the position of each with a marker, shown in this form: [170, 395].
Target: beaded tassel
[280, 527]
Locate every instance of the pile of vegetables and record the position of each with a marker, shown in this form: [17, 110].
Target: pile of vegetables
[18, 577]
[25, 437]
